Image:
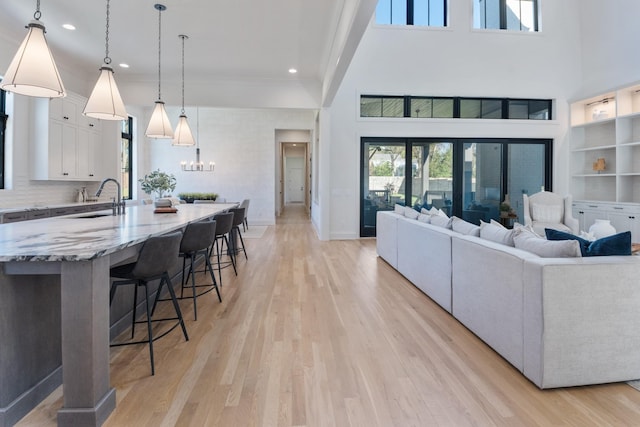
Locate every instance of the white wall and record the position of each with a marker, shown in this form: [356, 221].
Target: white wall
[455, 61]
[242, 143]
[610, 34]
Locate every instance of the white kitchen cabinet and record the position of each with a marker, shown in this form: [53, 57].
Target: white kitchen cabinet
[66, 144]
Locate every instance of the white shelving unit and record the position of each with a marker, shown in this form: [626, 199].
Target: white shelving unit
[607, 126]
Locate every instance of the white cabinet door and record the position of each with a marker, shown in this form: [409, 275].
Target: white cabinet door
[87, 162]
[63, 143]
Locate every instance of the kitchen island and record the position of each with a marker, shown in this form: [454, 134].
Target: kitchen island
[73, 253]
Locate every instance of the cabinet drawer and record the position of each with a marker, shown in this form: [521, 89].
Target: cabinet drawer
[40, 213]
[14, 217]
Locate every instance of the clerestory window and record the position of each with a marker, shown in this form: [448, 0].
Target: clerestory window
[512, 15]
[428, 13]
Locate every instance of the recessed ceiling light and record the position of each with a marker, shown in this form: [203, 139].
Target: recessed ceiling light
[68, 27]
[293, 70]
[123, 65]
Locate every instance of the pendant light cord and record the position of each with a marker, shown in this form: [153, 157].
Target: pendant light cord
[159, 49]
[37, 15]
[182, 36]
[107, 59]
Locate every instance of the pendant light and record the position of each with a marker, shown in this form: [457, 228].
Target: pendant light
[183, 135]
[198, 166]
[33, 71]
[159, 125]
[105, 102]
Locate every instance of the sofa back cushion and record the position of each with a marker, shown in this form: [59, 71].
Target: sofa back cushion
[410, 213]
[463, 227]
[496, 232]
[529, 241]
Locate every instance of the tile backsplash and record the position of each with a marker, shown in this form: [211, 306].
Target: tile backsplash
[26, 193]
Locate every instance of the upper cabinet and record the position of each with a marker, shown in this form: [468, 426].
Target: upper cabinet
[66, 144]
[605, 146]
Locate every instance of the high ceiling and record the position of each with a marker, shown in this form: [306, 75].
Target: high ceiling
[254, 42]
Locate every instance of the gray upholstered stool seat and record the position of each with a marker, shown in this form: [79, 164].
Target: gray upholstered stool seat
[156, 258]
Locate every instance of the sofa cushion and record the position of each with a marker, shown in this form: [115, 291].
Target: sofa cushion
[464, 227]
[399, 209]
[496, 232]
[617, 244]
[441, 221]
[432, 211]
[424, 218]
[410, 213]
[529, 241]
[546, 213]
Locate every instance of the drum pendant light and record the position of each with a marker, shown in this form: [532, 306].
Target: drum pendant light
[33, 71]
[183, 135]
[105, 102]
[159, 125]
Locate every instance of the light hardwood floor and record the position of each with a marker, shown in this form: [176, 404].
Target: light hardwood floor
[314, 333]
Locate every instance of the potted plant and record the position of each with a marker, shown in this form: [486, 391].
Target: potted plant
[158, 182]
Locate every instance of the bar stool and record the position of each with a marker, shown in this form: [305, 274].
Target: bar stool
[224, 223]
[157, 257]
[196, 241]
[238, 219]
[245, 204]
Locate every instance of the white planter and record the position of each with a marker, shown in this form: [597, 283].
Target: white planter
[602, 228]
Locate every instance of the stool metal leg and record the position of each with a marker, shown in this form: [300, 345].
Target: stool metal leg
[146, 290]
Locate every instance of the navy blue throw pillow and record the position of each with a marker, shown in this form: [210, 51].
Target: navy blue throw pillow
[617, 244]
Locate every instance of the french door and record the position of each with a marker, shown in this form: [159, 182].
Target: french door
[464, 177]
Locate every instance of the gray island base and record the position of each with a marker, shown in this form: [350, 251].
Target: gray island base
[55, 271]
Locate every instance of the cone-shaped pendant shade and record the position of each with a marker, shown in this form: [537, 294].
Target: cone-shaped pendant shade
[33, 71]
[183, 135]
[105, 102]
[159, 125]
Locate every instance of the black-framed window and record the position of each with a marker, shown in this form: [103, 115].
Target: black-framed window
[512, 15]
[428, 13]
[455, 107]
[3, 127]
[126, 159]
[465, 177]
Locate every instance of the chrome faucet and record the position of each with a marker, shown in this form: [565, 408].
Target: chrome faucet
[118, 207]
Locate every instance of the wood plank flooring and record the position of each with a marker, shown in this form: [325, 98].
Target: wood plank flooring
[314, 333]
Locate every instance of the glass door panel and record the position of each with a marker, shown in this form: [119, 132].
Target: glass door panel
[482, 181]
[526, 173]
[432, 175]
[383, 183]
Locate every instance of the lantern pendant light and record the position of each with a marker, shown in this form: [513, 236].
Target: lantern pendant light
[105, 102]
[183, 135]
[33, 71]
[159, 125]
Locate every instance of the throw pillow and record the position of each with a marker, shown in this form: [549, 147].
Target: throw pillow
[399, 209]
[410, 213]
[530, 242]
[464, 227]
[441, 221]
[546, 213]
[432, 211]
[424, 218]
[496, 232]
[617, 244]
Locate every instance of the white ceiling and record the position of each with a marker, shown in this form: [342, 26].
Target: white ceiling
[249, 41]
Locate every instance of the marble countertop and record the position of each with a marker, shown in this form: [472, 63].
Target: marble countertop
[74, 238]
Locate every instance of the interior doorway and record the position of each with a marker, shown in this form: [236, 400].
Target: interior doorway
[294, 172]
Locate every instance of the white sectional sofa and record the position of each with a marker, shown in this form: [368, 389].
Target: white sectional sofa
[560, 321]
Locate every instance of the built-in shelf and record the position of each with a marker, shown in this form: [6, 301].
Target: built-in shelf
[606, 126]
